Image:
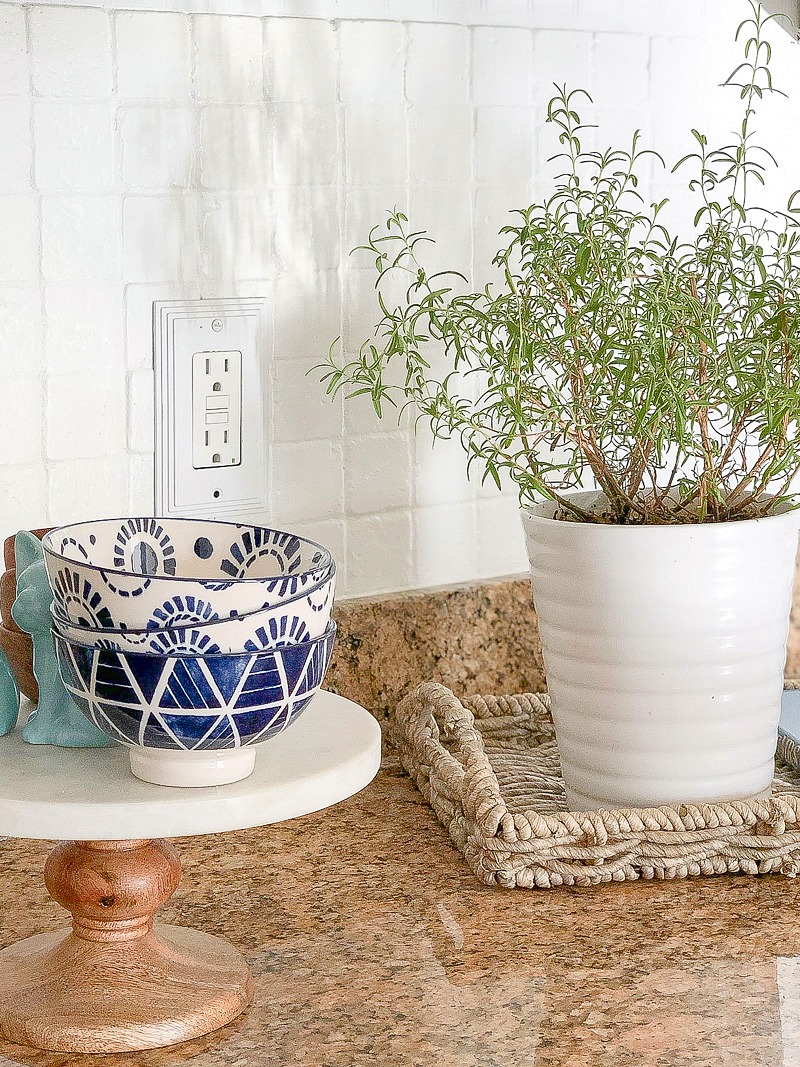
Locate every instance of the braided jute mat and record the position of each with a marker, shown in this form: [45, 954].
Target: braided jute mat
[489, 769]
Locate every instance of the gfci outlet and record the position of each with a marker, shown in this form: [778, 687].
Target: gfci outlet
[210, 407]
[216, 409]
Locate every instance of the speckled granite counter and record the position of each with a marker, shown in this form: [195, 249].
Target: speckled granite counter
[477, 638]
[373, 946]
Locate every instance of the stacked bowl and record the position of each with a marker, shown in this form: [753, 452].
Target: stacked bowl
[189, 640]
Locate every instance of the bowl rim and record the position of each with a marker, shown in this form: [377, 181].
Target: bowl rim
[330, 632]
[137, 632]
[102, 568]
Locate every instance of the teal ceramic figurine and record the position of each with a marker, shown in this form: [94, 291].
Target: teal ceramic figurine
[9, 697]
[56, 720]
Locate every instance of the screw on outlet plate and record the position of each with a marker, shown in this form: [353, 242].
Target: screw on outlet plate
[216, 325]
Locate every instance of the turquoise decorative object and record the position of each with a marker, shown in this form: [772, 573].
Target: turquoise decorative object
[27, 549]
[56, 720]
[9, 697]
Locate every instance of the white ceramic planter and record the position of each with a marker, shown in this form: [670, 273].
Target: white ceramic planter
[664, 649]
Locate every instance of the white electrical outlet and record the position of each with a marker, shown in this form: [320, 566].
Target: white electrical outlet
[216, 409]
[210, 407]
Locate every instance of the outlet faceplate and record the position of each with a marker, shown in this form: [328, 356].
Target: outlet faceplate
[208, 359]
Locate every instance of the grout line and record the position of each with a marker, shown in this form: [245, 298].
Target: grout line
[341, 271]
[409, 434]
[330, 10]
[44, 376]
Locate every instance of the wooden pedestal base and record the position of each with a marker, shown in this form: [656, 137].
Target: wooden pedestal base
[116, 984]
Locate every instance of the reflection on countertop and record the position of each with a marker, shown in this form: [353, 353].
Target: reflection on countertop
[372, 944]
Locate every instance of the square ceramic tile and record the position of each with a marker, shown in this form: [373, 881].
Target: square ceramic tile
[229, 58]
[74, 145]
[70, 50]
[153, 53]
[158, 146]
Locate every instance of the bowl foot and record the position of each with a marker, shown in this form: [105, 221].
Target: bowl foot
[176, 767]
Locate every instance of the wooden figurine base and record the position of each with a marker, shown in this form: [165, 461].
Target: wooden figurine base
[116, 984]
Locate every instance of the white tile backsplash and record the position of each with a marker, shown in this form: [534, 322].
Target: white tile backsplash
[141, 413]
[620, 68]
[377, 469]
[157, 146]
[160, 238]
[372, 57]
[563, 57]
[303, 412]
[14, 66]
[19, 248]
[234, 147]
[80, 238]
[440, 475]
[307, 228]
[75, 493]
[502, 68]
[444, 543]
[21, 436]
[375, 144]
[307, 313]
[74, 145]
[499, 540]
[236, 239]
[229, 59]
[23, 490]
[70, 51]
[380, 553]
[438, 65]
[85, 415]
[307, 482]
[305, 144]
[21, 332]
[161, 155]
[83, 328]
[15, 129]
[440, 143]
[141, 474]
[495, 129]
[301, 60]
[153, 56]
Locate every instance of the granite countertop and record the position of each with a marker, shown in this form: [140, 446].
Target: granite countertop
[372, 944]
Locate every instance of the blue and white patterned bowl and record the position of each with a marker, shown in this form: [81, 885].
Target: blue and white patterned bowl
[192, 720]
[191, 626]
[128, 573]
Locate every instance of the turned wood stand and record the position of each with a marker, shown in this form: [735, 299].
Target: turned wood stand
[116, 982]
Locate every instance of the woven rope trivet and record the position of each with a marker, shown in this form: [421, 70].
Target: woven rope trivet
[489, 769]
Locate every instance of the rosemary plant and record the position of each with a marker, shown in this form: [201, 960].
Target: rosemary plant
[611, 353]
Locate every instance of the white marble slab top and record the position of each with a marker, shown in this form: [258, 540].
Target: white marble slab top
[330, 753]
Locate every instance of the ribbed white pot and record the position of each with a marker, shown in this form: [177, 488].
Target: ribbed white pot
[664, 649]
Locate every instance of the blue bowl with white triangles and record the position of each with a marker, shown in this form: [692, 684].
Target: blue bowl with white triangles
[192, 720]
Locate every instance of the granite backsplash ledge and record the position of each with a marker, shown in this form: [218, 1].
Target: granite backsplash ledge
[475, 638]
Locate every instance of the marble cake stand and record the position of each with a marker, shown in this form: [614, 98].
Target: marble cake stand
[116, 983]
